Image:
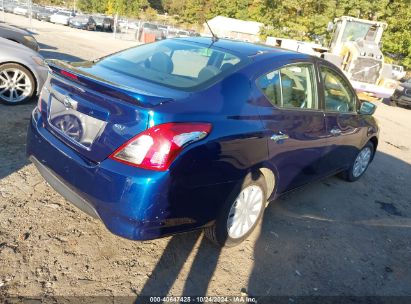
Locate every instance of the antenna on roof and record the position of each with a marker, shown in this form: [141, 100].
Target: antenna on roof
[214, 38]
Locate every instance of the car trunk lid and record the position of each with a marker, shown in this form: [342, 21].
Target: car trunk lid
[95, 116]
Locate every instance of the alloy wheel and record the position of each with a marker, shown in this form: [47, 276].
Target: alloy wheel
[245, 211]
[361, 162]
[15, 85]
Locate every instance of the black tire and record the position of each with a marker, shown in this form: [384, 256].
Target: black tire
[218, 233]
[393, 103]
[30, 78]
[348, 175]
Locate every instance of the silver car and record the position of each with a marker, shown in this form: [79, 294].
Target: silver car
[18, 35]
[22, 72]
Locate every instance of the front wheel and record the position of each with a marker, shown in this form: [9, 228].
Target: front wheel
[360, 163]
[17, 84]
[240, 214]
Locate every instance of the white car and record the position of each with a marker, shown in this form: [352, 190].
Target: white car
[20, 10]
[128, 25]
[61, 18]
[398, 72]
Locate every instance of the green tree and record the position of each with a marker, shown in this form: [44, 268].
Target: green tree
[295, 19]
[397, 37]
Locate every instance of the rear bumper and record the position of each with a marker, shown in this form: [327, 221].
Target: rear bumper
[78, 26]
[57, 184]
[59, 22]
[401, 99]
[133, 203]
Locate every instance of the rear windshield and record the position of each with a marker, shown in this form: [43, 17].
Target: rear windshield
[174, 63]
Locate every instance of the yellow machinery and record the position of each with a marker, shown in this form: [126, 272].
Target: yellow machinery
[355, 48]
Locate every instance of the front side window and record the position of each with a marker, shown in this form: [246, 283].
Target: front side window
[337, 92]
[173, 63]
[293, 87]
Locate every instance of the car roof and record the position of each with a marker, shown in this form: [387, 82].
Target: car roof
[244, 48]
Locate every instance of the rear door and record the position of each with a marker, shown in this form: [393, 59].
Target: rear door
[342, 120]
[294, 122]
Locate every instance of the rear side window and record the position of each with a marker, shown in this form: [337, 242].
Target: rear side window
[293, 87]
[173, 63]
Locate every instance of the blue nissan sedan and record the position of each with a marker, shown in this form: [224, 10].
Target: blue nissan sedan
[193, 133]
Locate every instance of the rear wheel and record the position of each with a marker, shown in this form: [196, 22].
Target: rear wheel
[17, 84]
[240, 214]
[360, 163]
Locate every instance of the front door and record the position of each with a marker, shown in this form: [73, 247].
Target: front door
[342, 120]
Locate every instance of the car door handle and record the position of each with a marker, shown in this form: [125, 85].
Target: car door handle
[279, 137]
[335, 131]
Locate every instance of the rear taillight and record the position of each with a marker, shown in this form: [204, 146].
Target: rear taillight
[157, 147]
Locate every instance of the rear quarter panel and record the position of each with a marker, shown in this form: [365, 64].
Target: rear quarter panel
[235, 144]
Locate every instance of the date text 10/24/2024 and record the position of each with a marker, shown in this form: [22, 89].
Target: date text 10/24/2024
[203, 299]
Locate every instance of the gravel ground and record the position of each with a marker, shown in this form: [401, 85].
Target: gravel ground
[328, 238]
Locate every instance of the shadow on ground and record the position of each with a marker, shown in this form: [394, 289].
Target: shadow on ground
[44, 46]
[14, 120]
[172, 261]
[328, 238]
[339, 238]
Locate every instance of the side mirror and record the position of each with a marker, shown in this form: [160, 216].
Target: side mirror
[367, 108]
